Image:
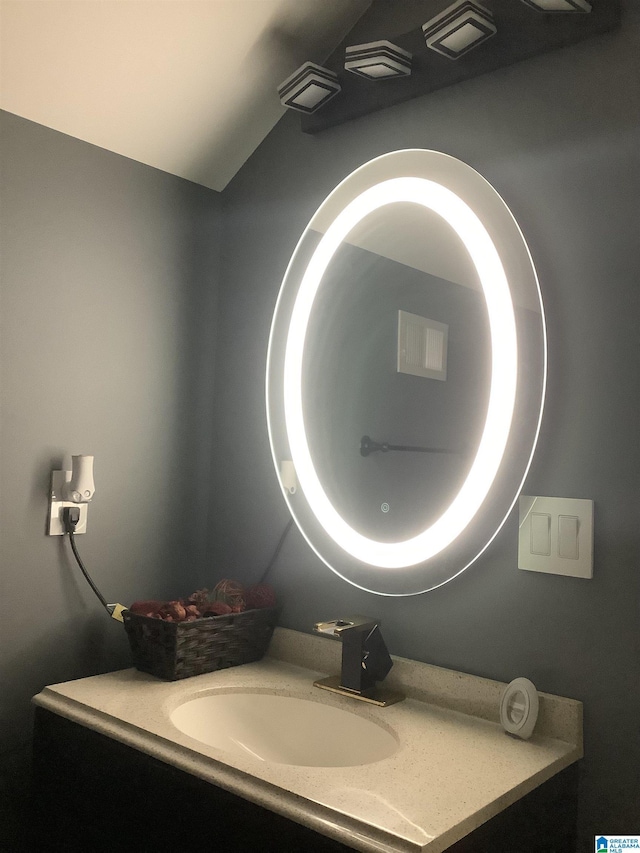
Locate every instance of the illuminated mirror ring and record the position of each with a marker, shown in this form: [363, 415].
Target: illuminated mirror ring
[468, 237]
[482, 251]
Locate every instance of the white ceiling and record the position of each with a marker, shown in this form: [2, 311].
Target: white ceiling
[187, 86]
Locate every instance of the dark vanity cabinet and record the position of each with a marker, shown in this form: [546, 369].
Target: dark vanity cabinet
[94, 794]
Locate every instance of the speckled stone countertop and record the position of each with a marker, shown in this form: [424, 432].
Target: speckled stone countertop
[454, 769]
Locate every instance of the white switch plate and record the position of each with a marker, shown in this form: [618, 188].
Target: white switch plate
[556, 536]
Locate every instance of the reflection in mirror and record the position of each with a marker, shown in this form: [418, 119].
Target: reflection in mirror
[353, 387]
[402, 405]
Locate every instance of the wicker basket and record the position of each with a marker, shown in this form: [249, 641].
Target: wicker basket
[174, 650]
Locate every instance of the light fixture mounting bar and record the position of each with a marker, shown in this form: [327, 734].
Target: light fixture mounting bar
[522, 33]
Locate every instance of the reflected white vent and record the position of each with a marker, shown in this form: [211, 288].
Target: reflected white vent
[422, 346]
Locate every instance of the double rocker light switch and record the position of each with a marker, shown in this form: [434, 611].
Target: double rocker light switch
[556, 536]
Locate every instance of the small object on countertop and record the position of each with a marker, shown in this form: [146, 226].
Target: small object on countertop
[519, 708]
[259, 595]
[173, 650]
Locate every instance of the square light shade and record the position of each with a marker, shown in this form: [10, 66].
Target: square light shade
[559, 5]
[461, 27]
[378, 60]
[308, 88]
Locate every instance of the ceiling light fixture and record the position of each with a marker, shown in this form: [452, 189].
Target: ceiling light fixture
[378, 60]
[460, 28]
[308, 88]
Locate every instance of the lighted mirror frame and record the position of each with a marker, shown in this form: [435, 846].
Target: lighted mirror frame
[438, 183]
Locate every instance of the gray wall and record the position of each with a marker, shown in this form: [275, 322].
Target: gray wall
[108, 327]
[559, 137]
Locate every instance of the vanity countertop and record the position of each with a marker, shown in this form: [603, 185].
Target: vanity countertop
[455, 768]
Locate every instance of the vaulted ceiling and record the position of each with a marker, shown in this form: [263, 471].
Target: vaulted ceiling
[187, 86]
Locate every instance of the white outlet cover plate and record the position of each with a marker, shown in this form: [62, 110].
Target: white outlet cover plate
[556, 515]
[55, 526]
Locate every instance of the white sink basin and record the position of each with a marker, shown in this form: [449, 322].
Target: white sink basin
[284, 730]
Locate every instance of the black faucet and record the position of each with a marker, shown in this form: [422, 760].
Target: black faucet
[365, 658]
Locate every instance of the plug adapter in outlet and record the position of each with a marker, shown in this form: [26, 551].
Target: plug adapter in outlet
[57, 504]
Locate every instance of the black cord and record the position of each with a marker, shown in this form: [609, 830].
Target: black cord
[71, 517]
[277, 551]
[103, 600]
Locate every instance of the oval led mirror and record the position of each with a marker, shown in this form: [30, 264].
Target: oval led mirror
[406, 372]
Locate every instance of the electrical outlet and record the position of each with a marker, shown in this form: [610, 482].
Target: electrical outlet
[57, 503]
